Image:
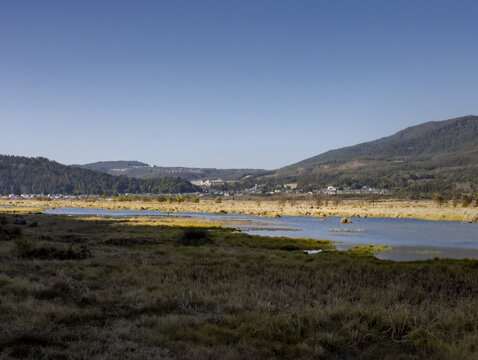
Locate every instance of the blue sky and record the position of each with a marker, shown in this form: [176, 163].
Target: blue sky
[259, 84]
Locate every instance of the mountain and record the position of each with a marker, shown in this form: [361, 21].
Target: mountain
[434, 156]
[144, 171]
[23, 175]
[114, 166]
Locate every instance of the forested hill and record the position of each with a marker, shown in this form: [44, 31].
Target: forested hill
[428, 140]
[141, 170]
[23, 175]
[434, 156]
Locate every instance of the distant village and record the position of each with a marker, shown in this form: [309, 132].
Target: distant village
[219, 187]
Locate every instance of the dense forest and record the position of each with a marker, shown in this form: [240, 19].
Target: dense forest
[22, 175]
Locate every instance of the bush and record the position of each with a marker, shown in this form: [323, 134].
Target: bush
[218, 200]
[195, 199]
[43, 198]
[455, 201]
[438, 199]
[466, 200]
[318, 200]
[195, 236]
[161, 198]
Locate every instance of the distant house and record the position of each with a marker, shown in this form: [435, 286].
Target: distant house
[332, 188]
[217, 182]
[208, 183]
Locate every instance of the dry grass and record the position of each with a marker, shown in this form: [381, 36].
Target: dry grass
[143, 295]
[427, 210]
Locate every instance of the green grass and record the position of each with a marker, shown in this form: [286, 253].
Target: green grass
[144, 295]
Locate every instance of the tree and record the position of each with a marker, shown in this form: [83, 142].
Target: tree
[438, 199]
[318, 200]
[466, 200]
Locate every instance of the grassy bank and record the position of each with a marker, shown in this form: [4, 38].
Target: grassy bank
[143, 288]
[427, 210]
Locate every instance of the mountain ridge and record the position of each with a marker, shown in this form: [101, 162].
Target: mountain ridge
[24, 175]
[433, 156]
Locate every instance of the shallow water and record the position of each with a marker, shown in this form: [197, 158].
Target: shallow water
[410, 239]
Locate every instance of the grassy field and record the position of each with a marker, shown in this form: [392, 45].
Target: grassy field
[423, 209]
[150, 288]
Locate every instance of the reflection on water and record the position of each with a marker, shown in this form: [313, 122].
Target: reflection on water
[410, 239]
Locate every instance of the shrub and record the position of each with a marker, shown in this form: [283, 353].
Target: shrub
[161, 198]
[43, 198]
[438, 199]
[466, 200]
[218, 200]
[195, 199]
[455, 202]
[195, 236]
[318, 200]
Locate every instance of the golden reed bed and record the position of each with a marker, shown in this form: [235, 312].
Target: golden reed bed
[427, 210]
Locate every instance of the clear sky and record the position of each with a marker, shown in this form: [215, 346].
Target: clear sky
[259, 84]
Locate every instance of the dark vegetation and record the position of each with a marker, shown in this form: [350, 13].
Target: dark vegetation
[140, 295]
[22, 175]
[194, 237]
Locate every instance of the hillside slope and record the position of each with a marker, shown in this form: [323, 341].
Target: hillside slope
[107, 166]
[434, 156]
[144, 171]
[22, 175]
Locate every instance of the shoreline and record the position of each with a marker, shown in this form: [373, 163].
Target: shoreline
[424, 209]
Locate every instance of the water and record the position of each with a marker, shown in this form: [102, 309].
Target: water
[410, 239]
